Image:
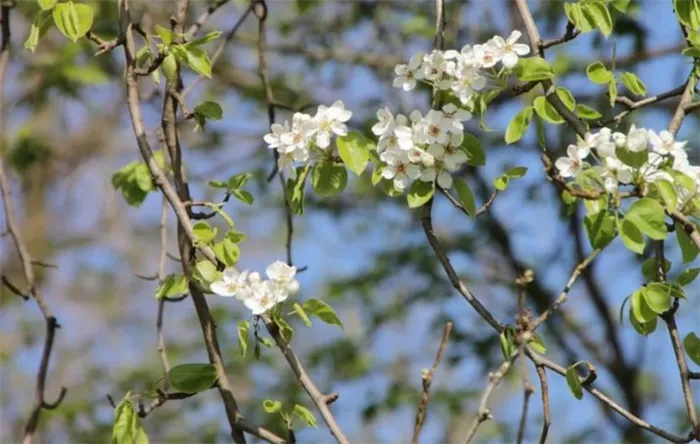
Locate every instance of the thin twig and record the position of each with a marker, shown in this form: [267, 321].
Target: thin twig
[528, 390]
[13, 288]
[105, 45]
[570, 34]
[565, 292]
[203, 19]
[690, 228]
[427, 380]
[162, 352]
[484, 413]
[547, 416]
[632, 105]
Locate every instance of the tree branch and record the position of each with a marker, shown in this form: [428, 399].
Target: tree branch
[547, 416]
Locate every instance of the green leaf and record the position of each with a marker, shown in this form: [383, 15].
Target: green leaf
[169, 67]
[466, 197]
[172, 285]
[204, 233]
[640, 308]
[643, 328]
[299, 310]
[238, 181]
[545, 110]
[507, 338]
[227, 251]
[322, 311]
[206, 39]
[668, 194]
[691, 52]
[670, 289]
[516, 172]
[205, 272]
[192, 378]
[657, 299]
[420, 193]
[209, 111]
[354, 150]
[647, 215]
[620, 5]
[650, 268]
[598, 73]
[74, 21]
[597, 12]
[566, 97]
[691, 343]
[689, 250]
[501, 182]
[631, 236]
[295, 190]
[166, 35]
[533, 68]
[586, 112]
[286, 330]
[688, 12]
[537, 344]
[243, 196]
[127, 427]
[47, 5]
[600, 228]
[472, 147]
[305, 415]
[194, 57]
[328, 178]
[574, 382]
[518, 125]
[612, 92]
[631, 158]
[633, 83]
[40, 25]
[243, 328]
[687, 276]
[271, 406]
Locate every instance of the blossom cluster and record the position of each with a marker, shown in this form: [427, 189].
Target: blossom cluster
[308, 137]
[428, 148]
[464, 72]
[421, 147]
[257, 294]
[664, 154]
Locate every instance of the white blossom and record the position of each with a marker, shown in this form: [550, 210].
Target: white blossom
[488, 54]
[406, 74]
[665, 143]
[330, 120]
[509, 50]
[572, 165]
[637, 139]
[399, 168]
[231, 283]
[282, 275]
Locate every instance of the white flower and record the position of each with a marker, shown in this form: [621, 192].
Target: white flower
[433, 128]
[399, 168]
[385, 122]
[231, 283]
[614, 172]
[262, 296]
[468, 81]
[303, 127]
[603, 144]
[509, 50]
[665, 143]
[651, 171]
[406, 74]
[619, 139]
[331, 121]
[273, 139]
[637, 139]
[573, 164]
[433, 66]
[282, 275]
[487, 55]
[446, 160]
[457, 115]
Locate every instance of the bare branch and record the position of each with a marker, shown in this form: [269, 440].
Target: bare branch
[542, 375]
[427, 380]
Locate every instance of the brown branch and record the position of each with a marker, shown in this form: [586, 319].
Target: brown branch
[13, 288]
[563, 296]
[185, 234]
[203, 19]
[481, 210]
[105, 45]
[161, 399]
[547, 416]
[40, 403]
[632, 105]
[528, 390]
[483, 413]
[162, 352]
[321, 400]
[688, 226]
[427, 380]
[570, 34]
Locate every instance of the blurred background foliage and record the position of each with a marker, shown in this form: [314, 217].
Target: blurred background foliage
[68, 132]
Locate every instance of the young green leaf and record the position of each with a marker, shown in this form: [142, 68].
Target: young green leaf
[691, 343]
[597, 12]
[322, 311]
[172, 285]
[574, 382]
[643, 328]
[299, 310]
[600, 228]
[516, 172]
[631, 158]
[466, 197]
[295, 190]
[518, 125]
[204, 233]
[586, 112]
[354, 150]
[196, 58]
[668, 194]
[566, 97]
[192, 378]
[545, 110]
[650, 268]
[74, 21]
[507, 338]
[420, 193]
[533, 68]
[243, 329]
[687, 276]
[47, 5]
[657, 299]
[209, 110]
[640, 309]
[271, 406]
[166, 35]
[305, 415]
[612, 91]
[501, 182]
[472, 147]
[598, 73]
[328, 178]
[647, 215]
[633, 83]
[40, 25]
[127, 427]
[206, 39]
[689, 251]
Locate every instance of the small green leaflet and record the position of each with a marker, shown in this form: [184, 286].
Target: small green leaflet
[691, 343]
[172, 285]
[40, 25]
[204, 233]
[518, 125]
[354, 151]
[271, 406]
[600, 228]
[243, 328]
[420, 193]
[546, 111]
[466, 197]
[322, 311]
[574, 382]
[127, 427]
[299, 310]
[687, 276]
[305, 415]
[74, 21]
[689, 250]
[472, 147]
[598, 73]
[533, 68]
[633, 83]
[328, 178]
[295, 190]
[192, 378]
